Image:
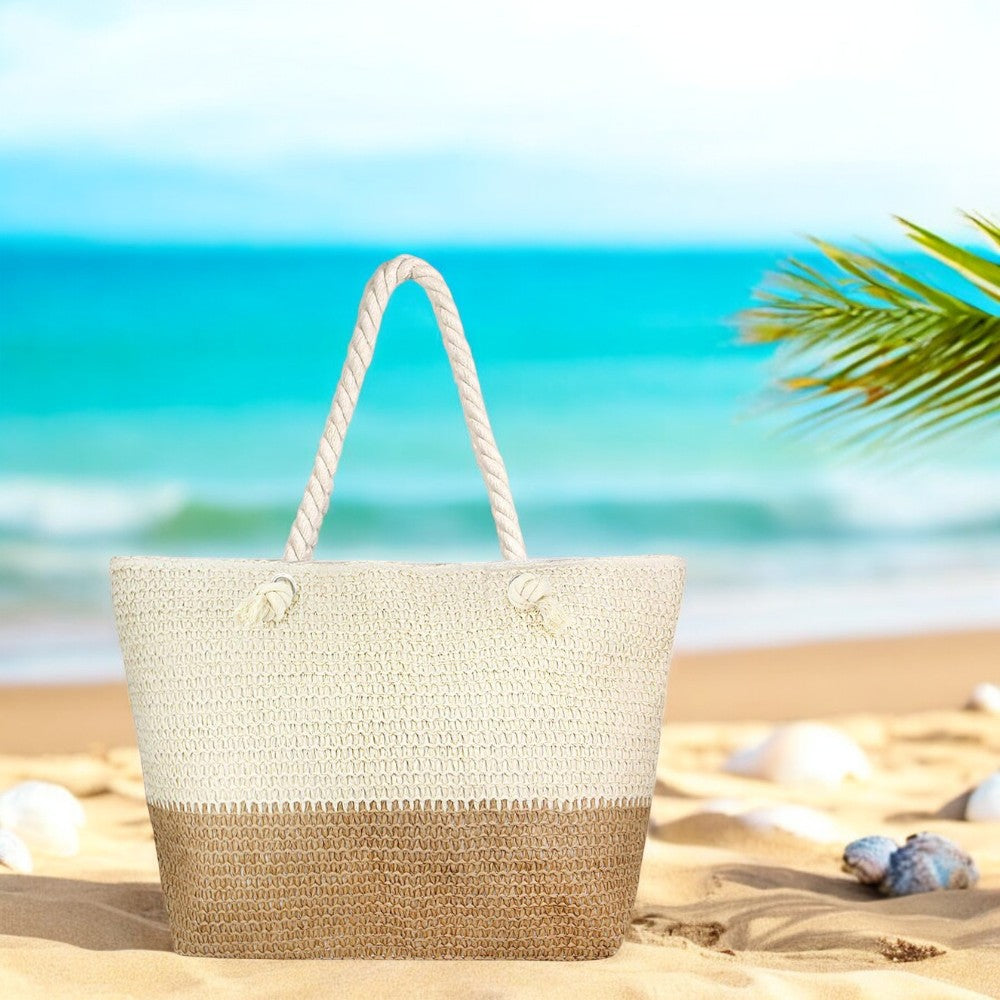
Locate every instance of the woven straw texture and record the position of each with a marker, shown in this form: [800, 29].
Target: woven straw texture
[476, 882]
[374, 759]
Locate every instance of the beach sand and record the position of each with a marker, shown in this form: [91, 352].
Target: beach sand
[722, 910]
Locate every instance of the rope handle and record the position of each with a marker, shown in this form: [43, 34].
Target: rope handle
[308, 521]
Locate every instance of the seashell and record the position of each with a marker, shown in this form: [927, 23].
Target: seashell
[14, 853]
[868, 858]
[983, 805]
[802, 753]
[46, 816]
[723, 807]
[985, 697]
[800, 821]
[925, 863]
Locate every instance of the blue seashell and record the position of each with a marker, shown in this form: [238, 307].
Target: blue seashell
[927, 862]
[924, 863]
[868, 858]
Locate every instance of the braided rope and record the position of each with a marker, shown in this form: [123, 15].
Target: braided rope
[316, 500]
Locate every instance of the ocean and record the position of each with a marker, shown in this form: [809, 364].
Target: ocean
[169, 400]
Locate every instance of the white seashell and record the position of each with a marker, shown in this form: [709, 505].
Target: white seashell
[802, 753]
[801, 821]
[46, 816]
[984, 801]
[14, 853]
[723, 807]
[985, 697]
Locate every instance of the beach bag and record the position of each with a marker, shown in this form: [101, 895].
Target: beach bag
[398, 760]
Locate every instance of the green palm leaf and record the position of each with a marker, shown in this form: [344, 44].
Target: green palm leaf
[886, 355]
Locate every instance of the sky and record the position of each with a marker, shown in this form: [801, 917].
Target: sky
[527, 121]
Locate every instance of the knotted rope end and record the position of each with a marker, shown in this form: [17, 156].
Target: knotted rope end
[270, 602]
[529, 592]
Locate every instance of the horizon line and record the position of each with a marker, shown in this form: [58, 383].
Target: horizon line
[794, 242]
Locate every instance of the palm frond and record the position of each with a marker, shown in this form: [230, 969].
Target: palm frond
[985, 226]
[983, 273]
[887, 355]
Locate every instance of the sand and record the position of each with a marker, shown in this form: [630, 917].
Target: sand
[722, 910]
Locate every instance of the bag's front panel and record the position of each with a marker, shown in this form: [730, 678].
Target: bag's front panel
[406, 764]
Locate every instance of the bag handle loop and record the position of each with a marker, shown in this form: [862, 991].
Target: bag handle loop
[316, 500]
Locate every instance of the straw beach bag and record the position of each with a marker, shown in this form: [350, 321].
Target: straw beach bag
[394, 760]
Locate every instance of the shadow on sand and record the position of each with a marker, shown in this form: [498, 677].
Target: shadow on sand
[99, 916]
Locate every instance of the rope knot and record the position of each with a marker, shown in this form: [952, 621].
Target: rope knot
[529, 592]
[270, 602]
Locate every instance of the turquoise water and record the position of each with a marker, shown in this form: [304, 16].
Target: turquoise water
[170, 400]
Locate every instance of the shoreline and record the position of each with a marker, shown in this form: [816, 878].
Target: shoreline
[897, 675]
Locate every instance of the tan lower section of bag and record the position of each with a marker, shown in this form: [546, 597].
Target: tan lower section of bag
[476, 881]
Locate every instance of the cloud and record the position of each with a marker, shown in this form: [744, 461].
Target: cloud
[558, 113]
